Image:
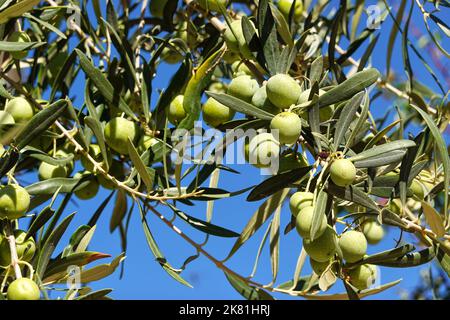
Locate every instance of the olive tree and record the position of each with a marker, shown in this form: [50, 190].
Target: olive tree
[293, 82]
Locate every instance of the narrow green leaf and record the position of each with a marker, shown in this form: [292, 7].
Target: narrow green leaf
[103, 84]
[277, 183]
[241, 106]
[247, 291]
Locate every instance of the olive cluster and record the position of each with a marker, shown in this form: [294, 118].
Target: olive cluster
[323, 250]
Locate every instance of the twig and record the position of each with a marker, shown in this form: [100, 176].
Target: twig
[12, 248]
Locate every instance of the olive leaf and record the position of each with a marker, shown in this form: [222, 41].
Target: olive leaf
[39, 123]
[240, 106]
[103, 84]
[247, 291]
[347, 89]
[203, 226]
[276, 183]
[194, 88]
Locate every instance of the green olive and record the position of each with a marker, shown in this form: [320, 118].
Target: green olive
[19, 36]
[363, 277]
[215, 113]
[117, 131]
[288, 126]
[145, 143]
[21, 110]
[323, 248]
[26, 248]
[353, 245]
[318, 267]
[23, 289]
[6, 118]
[342, 172]
[372, 230]
[285, 8]
[217, 87]
[176, 111]
[300, 200]
[418, 189]
[90, 190]
[239, 68]
[263, 149]
[96, 153]
[14, 202]
[243, 87]
[235, 40]
[171, 55]
[303, 223]
[282, 90]
[261, 101]
[50, 171]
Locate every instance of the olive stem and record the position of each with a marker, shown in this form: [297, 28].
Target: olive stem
[12, 247]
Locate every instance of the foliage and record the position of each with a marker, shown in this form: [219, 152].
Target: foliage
[140, 148]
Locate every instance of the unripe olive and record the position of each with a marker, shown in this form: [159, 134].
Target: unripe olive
[304, 220]
[285, 8]
[217, 87]
[25, 248]
[230, 56]
[116, 170]
[50, 171]
[323, 248]
[64, 153]
[263, 149]
[318, 267]
[215, 113]
[353, 245]
[145, 143]
[372, 230]
[212, 5]
[23, 289]
[239, 68]
[363, 277]
[395, 206]
[20, 109]
[300, 200]
[292, 161]
[90, 190]
[171, 55]
[417, 189]
[14, 202]
[235, 40]
[117, 131]
[96, 153]
[176, 111]
[6, 118]
[157, 8]
[342, 172]
[282, 90]
[19, 36]
[243, 87]
[289, 127]
[261, 101]
[325, 113]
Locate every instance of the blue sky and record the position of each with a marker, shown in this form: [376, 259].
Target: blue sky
[145, 279]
